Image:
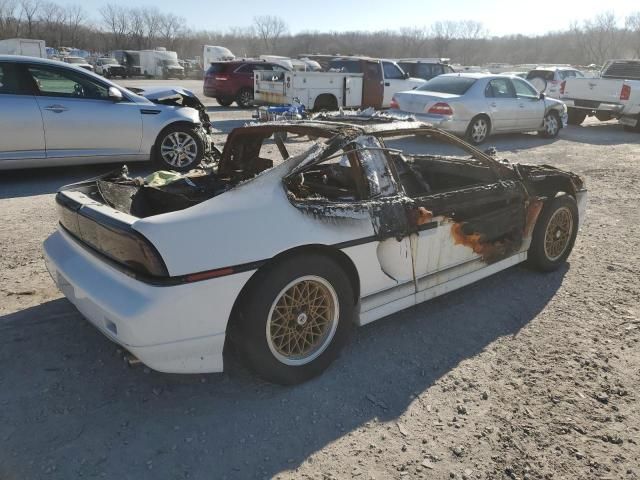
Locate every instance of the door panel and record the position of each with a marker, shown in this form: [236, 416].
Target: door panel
[483, 223]
[502, 105]
[531, 106]
[372, 88]
[21, 130]
[80, 119]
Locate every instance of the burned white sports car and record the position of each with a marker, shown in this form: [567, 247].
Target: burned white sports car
[283, 259]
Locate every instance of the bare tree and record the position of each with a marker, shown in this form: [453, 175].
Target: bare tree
[137, 27]
[599, 38]
[443, 34]
[171, 27]
[75, 17]
[116, 18]
[152, 21]
[7, 16]
[632, 22]
[413, 41]
[270, 28]
[29, 10]
[470, 33]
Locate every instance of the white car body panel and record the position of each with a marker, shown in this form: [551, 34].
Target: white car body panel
[181, 328]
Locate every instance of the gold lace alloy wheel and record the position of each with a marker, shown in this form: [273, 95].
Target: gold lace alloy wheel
[302, 320]
[558, 233]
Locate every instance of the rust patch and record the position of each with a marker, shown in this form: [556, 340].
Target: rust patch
[489, 252]
[533, 211]
[420, 216]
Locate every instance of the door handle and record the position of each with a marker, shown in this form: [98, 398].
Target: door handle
[387, 84]
[522, 105]
[56, 108]
[494, 104]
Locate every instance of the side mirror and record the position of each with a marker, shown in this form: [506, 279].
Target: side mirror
[542, 96]
[115, 94]
[406, 75]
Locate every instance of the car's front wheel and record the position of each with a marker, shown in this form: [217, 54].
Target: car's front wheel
[550, 125]
[295, 319]
[224, 101]
[179, 148]
[554, 234]
[478, 130]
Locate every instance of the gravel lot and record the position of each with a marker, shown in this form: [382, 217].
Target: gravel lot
[520, 376]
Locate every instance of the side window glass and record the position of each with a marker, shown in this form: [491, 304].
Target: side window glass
[523, 90]
[500, 88]
[244, 69]
[391, 72]
[58, 83]
[424, 70]
[9, 84]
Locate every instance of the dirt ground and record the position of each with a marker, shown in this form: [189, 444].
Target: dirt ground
[520, 376]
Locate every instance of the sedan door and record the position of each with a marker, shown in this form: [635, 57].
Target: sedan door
[21, 131]
[530, 106]
[81, 120]
[502, 105]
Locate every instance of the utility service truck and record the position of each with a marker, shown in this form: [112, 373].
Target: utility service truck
[351, 82]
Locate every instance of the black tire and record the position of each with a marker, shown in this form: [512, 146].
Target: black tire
[474, 130]
[325, 102]
[576, 117]
[604, 116]
[547, 258]
[259, 305]
[224, 101]
[194, 151]
[244, 99]
[551, 125]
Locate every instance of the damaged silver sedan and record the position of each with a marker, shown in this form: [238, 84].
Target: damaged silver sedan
[54, 113]
[282, 257]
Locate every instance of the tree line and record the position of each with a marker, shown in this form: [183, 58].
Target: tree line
[468, 42]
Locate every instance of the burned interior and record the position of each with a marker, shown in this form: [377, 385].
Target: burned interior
[354, 171]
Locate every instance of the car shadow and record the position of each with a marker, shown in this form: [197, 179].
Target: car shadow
[68, 400]
[42, 181]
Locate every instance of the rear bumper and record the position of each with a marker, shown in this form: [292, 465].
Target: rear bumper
[449, 124]
[613, 108]
[173, 329]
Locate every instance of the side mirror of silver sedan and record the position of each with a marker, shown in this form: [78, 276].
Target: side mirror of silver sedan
[115, 94]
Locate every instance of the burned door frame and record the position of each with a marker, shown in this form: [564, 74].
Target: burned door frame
[372, 84]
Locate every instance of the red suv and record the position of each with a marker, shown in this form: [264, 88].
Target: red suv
[233, 81]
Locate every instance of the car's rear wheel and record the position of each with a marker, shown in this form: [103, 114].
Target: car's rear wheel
[550, 125]
[554, 234]
[224, 101]
[575, 117]
[478, 129]
[295, 319]
[245, 98]
[326, 102]
[179, 148]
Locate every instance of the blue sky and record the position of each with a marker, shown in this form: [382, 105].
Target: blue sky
[500, 17]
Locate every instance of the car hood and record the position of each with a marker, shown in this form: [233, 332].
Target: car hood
[162, 93]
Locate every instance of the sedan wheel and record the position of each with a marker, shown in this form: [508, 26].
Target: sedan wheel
[179, 148]
[551, 125]
[558, 233]
[245, 98]
[478, 130]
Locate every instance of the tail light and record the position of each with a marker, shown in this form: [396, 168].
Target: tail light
[562, 85]
[625, 93]
[441, 108]
[394, 104]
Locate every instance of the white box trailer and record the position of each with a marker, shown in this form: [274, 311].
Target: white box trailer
[23, 46]
[160, 63]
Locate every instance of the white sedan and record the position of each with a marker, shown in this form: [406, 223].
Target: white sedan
[476, 105]
[283, 258]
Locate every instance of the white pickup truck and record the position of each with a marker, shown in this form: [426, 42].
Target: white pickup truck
[350, 82]
[614, 94]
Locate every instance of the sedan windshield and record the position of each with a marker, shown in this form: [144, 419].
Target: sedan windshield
[109, 61]
[445, 84]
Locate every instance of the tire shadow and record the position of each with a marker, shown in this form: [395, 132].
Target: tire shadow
[68, 398]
